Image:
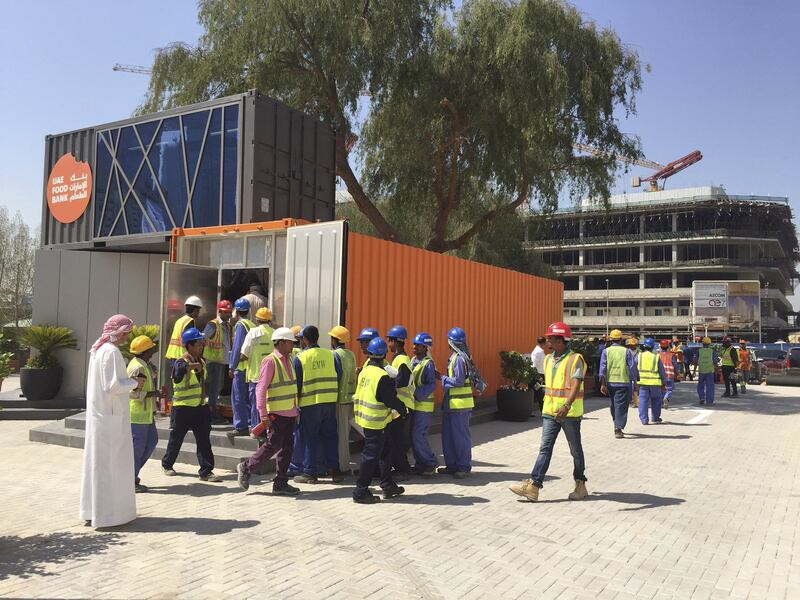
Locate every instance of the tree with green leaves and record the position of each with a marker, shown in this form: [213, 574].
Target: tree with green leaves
[445, 120]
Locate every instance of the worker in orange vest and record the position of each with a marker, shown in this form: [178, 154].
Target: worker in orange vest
[745, 364]
[669, 359]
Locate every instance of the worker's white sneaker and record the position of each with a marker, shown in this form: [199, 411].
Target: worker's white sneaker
[580, 491]
[211, 478]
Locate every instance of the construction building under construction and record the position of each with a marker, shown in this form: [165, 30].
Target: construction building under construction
[630, 263]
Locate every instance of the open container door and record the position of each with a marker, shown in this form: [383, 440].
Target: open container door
[315, 275]
[178, 282]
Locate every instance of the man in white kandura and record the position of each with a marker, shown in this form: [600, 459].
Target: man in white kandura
[107, 489]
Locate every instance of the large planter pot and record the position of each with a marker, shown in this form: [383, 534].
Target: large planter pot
[40, 384]
[515, 405]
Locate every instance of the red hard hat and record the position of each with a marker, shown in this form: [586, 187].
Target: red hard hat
[726, 340]
[560, 329]
[665, 343]
[225, 306]
[697, 338]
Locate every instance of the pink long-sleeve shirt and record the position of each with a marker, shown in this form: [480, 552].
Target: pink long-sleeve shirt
[265, 380]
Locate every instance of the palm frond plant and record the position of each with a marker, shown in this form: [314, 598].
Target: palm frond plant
[151, 331]
[46, 340]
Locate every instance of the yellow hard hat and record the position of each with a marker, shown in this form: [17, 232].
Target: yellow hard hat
[264, 314]
[632, 341]
[296, 329]
[706, 340]
[141, 344]
[615, 334]
[340, 333]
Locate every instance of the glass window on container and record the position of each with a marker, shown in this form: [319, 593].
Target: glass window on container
[166, 159]
[259, 251]
[206, 193]
[230, 164]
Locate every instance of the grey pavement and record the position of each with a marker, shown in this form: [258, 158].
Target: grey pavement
[703, 506]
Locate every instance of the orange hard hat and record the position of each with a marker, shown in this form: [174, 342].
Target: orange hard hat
[560, 329]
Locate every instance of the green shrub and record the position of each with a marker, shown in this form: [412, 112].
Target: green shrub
[46, 339]
[518, 369]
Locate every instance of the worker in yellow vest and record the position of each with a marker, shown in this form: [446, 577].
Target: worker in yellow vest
[729, 360]
[706, 369]
[319, 373]
[276, 397]
[423, 371]
[257, 345]
[193, 306]
[296, 349]
[652, 382]
[375, 398]
[345, 417]
[217, 354]
[398, 432]
[745, 365]
[190, 406]
[564, 372]
[240, 397]
[457, 409]
[143, 404]
[364, 338]
[617, 372]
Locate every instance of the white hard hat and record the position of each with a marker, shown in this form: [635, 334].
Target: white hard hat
[283, 333]
[194, 301]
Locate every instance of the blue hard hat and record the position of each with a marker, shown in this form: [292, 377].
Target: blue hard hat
[423, 339]
[457, 334]
[242, 304]
[192, 335]
[649, 343]
[377, 348]
[367, 333]
[398, 332]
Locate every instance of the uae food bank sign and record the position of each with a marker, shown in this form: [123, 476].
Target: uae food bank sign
[69, 189]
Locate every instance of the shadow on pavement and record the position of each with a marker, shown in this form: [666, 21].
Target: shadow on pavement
[438, 499]
[642, 501]
[198, 525]
[677, 424]
[197, 490]
[30, 556]
[657, 436]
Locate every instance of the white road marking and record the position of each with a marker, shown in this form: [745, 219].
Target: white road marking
[704, 413]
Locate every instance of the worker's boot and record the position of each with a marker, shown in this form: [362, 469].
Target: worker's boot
[527, 489]
[580, 491]
[618, 434]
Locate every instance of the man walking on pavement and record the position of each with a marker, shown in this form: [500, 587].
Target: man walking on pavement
[375, 398]
[652, 378]
[217, 354]
[537, 358]
[706, 368]
[671, 362]
[398, 432]
[744, 365]
[276, 397]
[240, 397]
[424, 374]
[256, 346]
[345, 417]
[617, 372]
[143, 405]
[729, 360]
[564, 371]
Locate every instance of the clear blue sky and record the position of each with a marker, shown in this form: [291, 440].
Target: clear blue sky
[724, 80]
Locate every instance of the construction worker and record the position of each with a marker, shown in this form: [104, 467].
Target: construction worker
[193, 306]
[617, 371]
[424, 373]
[237, 368]
[564, 371]
[457, 408]
[652, 379]
[296, 329]
[217, 354]
[632, 343]
[744, 366]
[276, 397]
[143, 404]
[190, 406]
[537, 359]
[375, 398]
[671, 363]
[319, 374]
[729, 359]
[257, 297]
[706, 366]
[677, 349]
[345, 417]
[364, 338]
[257, 345]
[398, 432]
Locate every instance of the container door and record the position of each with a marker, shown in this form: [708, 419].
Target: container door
[315, 275]
[178, 282]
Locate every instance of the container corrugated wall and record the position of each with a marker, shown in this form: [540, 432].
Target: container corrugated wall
[392, 284]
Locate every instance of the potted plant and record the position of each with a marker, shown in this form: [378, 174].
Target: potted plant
[40, 378]
[150, 331]
[515, 400]
[5, 362]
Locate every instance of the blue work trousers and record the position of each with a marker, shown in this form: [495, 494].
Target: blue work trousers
[670, 385]
[240, 400]
[255, 418]
[424, 456]
[457, 440]
[145, 438]
[550, 429]
[650, 398]
[705, 387]
[215, 377]
[299, 453]
[373, 457]
[318, 428]
[620, 395]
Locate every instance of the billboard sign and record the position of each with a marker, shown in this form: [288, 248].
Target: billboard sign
[726, 304]
[69, 189]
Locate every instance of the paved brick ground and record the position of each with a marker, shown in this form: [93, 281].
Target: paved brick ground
[705, 506]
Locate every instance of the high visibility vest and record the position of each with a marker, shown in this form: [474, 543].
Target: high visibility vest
[558, 384]
[666, 359]
[648, 369]
[426, 404]
[369, 412]
[282, 390]
[727, 357]
[214, 350]
[460, 397]
[405, 394]
[142, 410]
[320, 383]
[189, 392]
[347, 386]
[617, 364]
[705, 360]
[262, 347]
[295, 352]
[175, 349]
[744, 359]
[248, 325]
